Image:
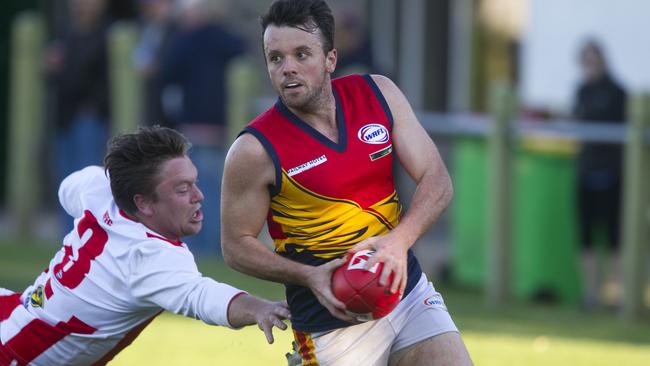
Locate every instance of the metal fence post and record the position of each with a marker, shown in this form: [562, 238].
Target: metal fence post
[26, 118]
[499, 266]
[124, 80]
[635, 205]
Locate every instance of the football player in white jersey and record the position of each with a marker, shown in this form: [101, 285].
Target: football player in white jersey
[124, 261]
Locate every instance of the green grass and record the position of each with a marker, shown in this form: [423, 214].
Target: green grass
[518, 334]
[21, 261]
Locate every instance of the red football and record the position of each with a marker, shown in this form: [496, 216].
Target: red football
[359, 289]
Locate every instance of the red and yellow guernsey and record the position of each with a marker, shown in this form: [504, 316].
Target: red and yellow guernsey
[330, 195]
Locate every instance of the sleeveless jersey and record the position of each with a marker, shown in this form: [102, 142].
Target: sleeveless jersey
[112, 276]
[330, 196]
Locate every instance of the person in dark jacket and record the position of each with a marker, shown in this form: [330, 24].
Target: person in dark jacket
[78, 66]
[195, 66]
[599, 98]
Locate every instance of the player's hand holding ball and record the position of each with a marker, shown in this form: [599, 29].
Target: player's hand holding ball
[359, 288]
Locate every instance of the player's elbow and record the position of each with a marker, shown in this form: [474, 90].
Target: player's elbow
[448, 192]
[226, 252]
[229, 253]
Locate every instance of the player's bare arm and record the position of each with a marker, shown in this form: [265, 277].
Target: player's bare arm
[248, 174]
[420, 158]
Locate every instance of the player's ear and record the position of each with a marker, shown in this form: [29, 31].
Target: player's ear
[330, 61]
[144, 204]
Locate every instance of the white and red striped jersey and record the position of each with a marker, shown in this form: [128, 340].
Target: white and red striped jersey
[108, 281]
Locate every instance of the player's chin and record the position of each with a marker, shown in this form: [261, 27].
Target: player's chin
[193, 227]
[293, 100]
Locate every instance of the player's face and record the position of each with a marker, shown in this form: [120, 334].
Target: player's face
[177, 210]
[297, 65]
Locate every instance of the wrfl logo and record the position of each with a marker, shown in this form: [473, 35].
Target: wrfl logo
[373, 134]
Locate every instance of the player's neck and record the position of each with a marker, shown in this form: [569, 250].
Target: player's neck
[321, 115]
[151, 225]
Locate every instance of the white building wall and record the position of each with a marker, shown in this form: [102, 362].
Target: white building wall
[554, 33]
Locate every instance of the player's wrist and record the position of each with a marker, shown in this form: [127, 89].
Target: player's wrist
[238, 309]
[402, 237]
[299, 274]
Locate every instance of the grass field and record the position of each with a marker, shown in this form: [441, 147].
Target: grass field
[519, 334]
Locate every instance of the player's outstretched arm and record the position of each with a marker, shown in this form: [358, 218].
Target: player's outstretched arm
[420, 158]
[248, 174]
[246, 309]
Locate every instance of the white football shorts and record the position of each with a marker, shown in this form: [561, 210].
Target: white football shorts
[422, 314]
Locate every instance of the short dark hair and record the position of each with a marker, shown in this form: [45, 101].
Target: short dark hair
[592, 45]
[308, 15]
[133, 162]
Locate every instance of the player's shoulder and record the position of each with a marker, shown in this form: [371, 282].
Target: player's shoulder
[385, 84]
[84, 189]
[125, 229]
[90, 174]
[249, 148]
[150, 245]
[381, 81]
[84, 180]
[248, 157]
[155, 255]
[394, 97]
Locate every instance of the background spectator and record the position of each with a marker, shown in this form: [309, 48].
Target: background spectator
[599, 98]
[352, 44]
[195, 68]
[156, 32]
[78, 64]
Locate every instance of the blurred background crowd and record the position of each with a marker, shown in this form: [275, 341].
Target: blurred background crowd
[578, 60]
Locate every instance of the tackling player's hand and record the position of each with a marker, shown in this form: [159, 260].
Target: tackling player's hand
[272, 314]
[393, 254]
[320, 283]
[247, 309]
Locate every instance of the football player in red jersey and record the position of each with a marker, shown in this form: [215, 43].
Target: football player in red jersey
[124, 262]
[317, 166]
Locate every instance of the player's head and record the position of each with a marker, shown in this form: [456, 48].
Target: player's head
[313, 16]
[299, 51]
[592, 60]
[153, 180]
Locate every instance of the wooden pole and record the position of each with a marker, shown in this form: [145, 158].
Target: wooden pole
[242, 82]
[125, 82]
[26, 121]
[636, 195]
[502, 107]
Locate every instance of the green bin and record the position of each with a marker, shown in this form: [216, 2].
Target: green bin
[544, 229]
[468, 224]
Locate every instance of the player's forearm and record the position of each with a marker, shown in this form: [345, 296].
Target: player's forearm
[251, 256]
[182, 290]
[432, 196]
[243, 309]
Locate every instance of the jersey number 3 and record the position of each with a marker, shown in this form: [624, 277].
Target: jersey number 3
[76, 263]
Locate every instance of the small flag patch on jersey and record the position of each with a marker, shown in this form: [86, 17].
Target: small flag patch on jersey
[381, 153]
